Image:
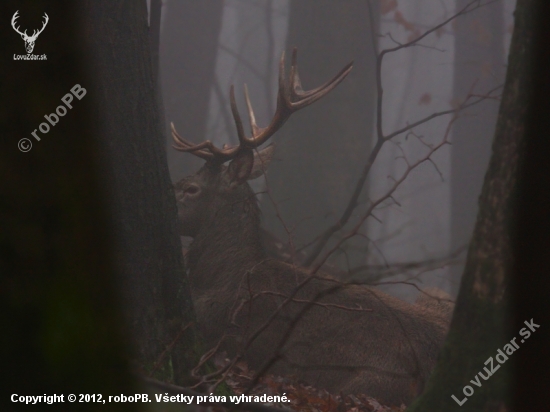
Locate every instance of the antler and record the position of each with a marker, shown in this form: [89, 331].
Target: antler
[15, 17]
[290, 98]
[37, 32]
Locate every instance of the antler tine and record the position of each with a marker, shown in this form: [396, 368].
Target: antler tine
[283, 94]
[37, 32]
[305, 98]
[291, 98]
[211, 154]
[295, 83]
[13, 22]
[251, 116]
[237, 116]
[184, 145]
[46, 20]
[261, 134]
[179, 140]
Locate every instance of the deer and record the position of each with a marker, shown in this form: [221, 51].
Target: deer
[340, 336]
[437, 301]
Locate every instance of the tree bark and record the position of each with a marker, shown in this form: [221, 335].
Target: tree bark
[481, 323]
[157, 296]
[155, 20]
[62, 328]
[479, 67]
[531, 282]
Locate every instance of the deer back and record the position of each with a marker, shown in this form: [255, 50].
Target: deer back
[340, 337]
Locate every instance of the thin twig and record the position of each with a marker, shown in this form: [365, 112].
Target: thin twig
[169, 348]
[324, 305]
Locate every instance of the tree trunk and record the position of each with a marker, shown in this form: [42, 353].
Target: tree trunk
[481, 323]
[157, 296]
[155, 20]
[62, 329]
[479, 67]
[531, 281]
[188, 50]
[321, 151]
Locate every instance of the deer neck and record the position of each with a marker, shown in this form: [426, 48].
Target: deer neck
[227, 243]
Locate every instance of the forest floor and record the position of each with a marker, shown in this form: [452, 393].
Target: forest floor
[303, 397]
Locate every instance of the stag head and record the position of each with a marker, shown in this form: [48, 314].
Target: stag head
[29, 40]
[217, 184]
[214, 185]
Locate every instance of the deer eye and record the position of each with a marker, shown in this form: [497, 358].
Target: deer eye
[191, 190]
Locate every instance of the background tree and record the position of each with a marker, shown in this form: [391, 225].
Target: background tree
[320, 152]
[251, 40]
[188, 50]
[481, 323]
[416, 82]
[478, 64]
[156, 295]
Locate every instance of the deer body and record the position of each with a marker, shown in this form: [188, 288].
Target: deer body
[344, 338]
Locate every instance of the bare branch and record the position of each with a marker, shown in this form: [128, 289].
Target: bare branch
[324, 305]
[465, 10]
[323, 239]
[461, 107]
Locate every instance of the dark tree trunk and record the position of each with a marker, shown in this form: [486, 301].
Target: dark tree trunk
[157, 296]
[481, 324]
[479, 67]
[188, 49]
[322, 150]
[62, 329]
[531, 281]
[155, 14]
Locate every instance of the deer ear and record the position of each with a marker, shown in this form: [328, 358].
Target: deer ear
[239, 169]
[262, 159]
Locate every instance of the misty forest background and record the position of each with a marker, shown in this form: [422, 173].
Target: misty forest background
[90, 212]
[207, 46]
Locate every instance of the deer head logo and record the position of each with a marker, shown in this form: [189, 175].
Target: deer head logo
[29, 40]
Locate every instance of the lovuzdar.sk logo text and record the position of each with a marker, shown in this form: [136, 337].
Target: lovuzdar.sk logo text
[29, 40]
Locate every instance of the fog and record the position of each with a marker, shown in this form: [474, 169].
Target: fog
[321, 151]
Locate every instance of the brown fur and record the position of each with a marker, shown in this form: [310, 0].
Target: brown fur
[438, 302]
[387, 352]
